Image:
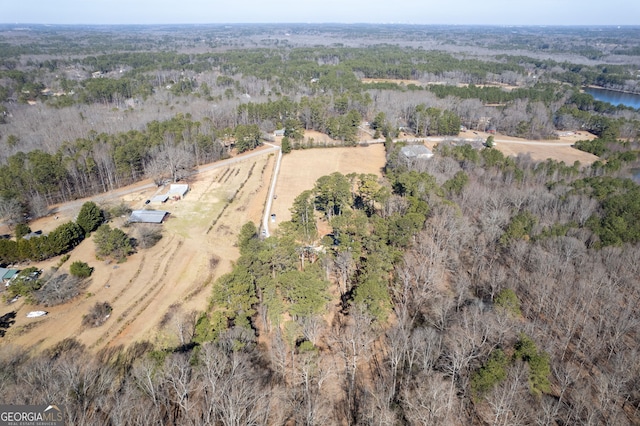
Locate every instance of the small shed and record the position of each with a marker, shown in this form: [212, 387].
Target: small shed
[6, 275]
[162, 198]
[177, 190]
[148, 216]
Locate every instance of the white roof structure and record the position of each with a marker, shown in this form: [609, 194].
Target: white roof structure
[160, 198]
[148, 216]
[416, 151]
[36, 314]
[178, 189]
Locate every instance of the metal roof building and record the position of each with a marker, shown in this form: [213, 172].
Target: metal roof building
[160, 198]
[178, 189]
[7, 274]
[148, 216]
[416, 151]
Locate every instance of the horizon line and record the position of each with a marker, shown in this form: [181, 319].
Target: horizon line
[317, 23]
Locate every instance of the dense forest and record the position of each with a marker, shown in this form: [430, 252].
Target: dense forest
[468, 288]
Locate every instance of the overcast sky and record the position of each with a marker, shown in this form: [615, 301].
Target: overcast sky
[463, 12]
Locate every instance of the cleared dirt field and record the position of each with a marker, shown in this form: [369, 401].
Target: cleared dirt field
[177, 271]
[419, 83]
[560, 150]
[300, 170]
[389, 80]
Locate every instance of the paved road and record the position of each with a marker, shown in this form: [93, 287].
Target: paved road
[237, 159]
[539, 143]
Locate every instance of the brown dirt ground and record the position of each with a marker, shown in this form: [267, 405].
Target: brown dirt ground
[176, 271]
[504, 86]
[390, 80]
[560, 149]
[300, 170]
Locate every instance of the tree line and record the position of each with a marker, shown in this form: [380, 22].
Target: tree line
[60, 241]
[468, 288]
[102, 162]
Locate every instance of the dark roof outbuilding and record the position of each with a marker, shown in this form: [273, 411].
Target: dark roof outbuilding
[148, 216]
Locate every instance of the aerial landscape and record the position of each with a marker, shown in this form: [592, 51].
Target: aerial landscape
[331, 215]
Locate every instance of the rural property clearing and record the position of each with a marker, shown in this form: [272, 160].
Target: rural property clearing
[197, 247]
[198, 243]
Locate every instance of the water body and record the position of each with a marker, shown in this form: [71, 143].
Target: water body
[614, 97]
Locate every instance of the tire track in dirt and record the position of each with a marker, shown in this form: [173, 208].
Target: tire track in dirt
[230, 202]
[81, 328]
[149, 291]
[116, 297]
[258, 187]
[156, 267]
[138, 272]
[215, 179]
[159, 281]
[198, 287]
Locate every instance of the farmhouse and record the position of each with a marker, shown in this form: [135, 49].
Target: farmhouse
[416, 152]
[148, 216]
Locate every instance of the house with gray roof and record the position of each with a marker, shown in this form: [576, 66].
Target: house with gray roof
[415, 152]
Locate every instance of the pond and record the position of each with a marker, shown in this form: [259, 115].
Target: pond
[614, 97]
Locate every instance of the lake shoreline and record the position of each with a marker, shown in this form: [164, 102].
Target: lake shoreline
[614, 97]
[593, 86]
